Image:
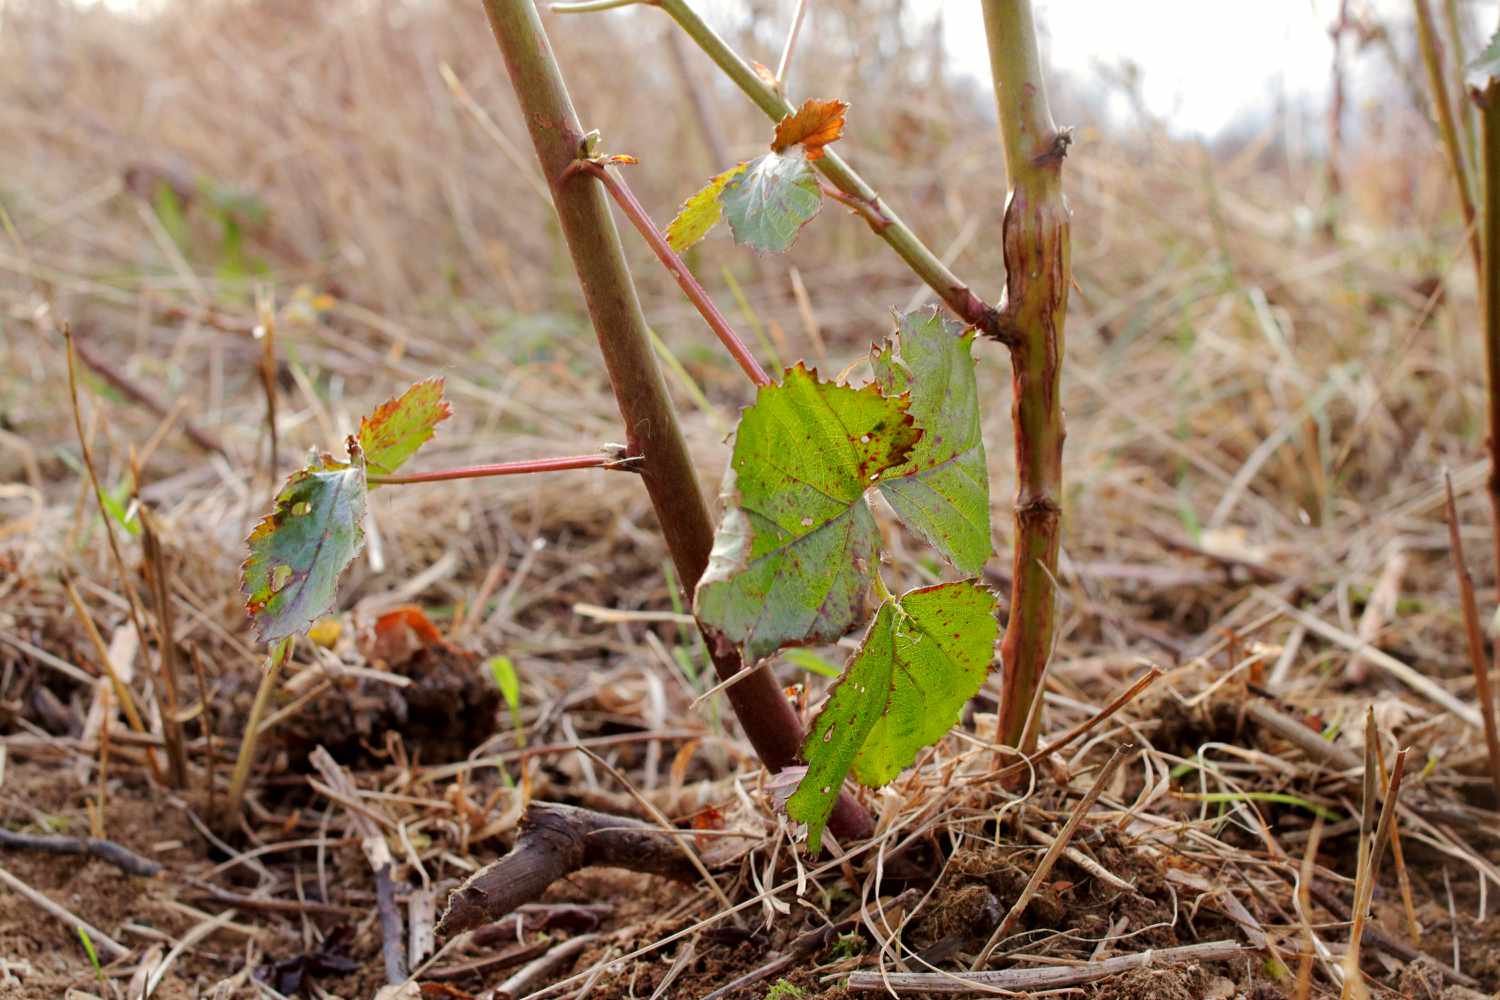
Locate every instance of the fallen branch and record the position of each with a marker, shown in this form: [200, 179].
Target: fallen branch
[106, 850]
[1056, 977]
[555, 841]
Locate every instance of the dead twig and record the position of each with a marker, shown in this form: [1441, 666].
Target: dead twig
[106, 662]
[107, 850]
[129, 388]
[1050, 858]
[107, 945]
[1371, 848]
[265, 332]
[803, 946]
[522, 982]
[556, 840]
[171, 721]
[1056, 977]
[1477, 658]
[378, 853]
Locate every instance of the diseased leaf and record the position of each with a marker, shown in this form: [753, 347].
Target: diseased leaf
[701, 212]
[944, 491]
[300, 549]
[398, 427]
[795, 551]
[813, 126]
[398, 635]
[771, 200]
[922, 659]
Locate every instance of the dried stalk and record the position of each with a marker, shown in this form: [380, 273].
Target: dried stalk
[1489, 145]
[1033, 979]
[1050, 858]
[171, 721]
[1432, 58]
[1477, 658]
[1372, 839]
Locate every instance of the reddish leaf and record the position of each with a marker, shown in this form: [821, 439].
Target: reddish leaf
[708, 818]
[398, 427]
[399, 634]
[813, 126]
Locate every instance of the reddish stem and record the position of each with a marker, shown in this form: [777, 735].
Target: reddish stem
[639, 218]
[505, 469]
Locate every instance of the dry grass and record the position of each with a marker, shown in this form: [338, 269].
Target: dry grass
[1259, 416]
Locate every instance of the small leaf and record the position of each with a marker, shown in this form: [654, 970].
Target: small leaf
[944, 491]
[813, 126]
[768, 204]
[796, 549]
[507, 681]
[300, 549]
[701, 212]
[398, 427]
[1485, 68]
[325, 632]
[922, 659]
[114, 504]
[398, 635]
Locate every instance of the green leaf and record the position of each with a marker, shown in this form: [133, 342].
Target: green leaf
[170, 212]
[1485, 68]
[507, 681]
[89, 950]
[114, 503]
[398, 427]
[300, 549]
[806, 659]
[944, 491]
[771, 200]
[923, 658]
[701, 212]
[796, 549]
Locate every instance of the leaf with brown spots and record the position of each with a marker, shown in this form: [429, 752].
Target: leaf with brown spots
[796, 549]
[814, 125]
[398, 427]
[921, 661]
[299, 551]
[944, 491]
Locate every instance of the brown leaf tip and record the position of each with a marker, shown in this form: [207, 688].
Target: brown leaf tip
[816, 124]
